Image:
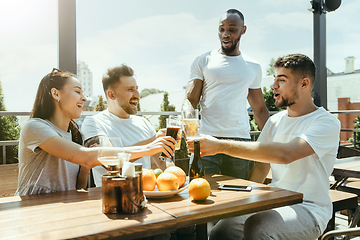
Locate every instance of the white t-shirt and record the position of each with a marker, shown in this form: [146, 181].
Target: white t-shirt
[226, 84]
[39, 171]
[309, 175]
[131, 131]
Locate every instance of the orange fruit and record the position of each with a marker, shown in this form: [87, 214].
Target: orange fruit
[149, 180]
[199, 189]
[167, 182]
[177, 172]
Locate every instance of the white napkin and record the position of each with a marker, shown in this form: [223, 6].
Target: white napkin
[128, 169]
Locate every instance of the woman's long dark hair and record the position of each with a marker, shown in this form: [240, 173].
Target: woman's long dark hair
[44, 106]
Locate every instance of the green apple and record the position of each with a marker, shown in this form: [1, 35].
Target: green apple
[157, 172]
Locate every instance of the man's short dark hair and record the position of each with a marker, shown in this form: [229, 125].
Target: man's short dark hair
[235, 11]
[299, 64]
[113, 75]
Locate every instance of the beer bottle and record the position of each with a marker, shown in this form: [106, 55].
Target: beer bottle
[197, 169]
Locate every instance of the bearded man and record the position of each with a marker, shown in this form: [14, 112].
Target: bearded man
[222, 81]
[119, 120]
[300, 145]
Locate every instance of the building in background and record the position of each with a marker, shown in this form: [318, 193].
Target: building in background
[344, 84]
[85, 76]
[344, 94]
[347, 119]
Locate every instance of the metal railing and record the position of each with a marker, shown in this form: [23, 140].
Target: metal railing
[253, 134]
[3, 144]
[355, 131]
[7, 143]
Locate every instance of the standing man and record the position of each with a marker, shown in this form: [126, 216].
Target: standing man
[300, 145]
[119, 119]
[222, 81]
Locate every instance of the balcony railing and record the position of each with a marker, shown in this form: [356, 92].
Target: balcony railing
[253, 134]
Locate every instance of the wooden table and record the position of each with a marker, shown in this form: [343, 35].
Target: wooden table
[345, 168]
[72, 214]
[223, 203]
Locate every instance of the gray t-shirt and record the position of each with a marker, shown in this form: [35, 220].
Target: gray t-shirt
[39, 171]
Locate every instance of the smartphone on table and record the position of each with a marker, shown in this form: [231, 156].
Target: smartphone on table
[235, 188]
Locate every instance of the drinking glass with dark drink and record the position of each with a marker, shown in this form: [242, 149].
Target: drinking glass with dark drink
[173, 126]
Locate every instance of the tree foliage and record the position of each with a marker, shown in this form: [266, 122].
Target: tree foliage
[9, 130]
[269, 95]
[100, 105]
[271, 70]
[269, 99]
[182, 152]
[253, 125]
[269, 103]
[165, 107]
[356, 126]
[148, 91]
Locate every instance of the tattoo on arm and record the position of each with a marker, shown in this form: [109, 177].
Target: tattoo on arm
[92, 142]
[71, 159]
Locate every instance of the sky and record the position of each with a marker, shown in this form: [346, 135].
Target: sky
[159, 39]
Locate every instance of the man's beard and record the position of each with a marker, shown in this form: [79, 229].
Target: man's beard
[286, 102]
[128, 108]
[228, 51]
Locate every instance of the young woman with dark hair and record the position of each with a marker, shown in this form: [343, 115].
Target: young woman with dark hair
[50, 146]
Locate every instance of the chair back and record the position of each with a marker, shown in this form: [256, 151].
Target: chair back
[344, 152]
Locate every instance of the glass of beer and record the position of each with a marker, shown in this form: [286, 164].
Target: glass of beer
[173, 126]
[190, 120]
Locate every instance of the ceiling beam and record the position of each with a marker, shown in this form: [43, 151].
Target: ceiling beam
[67, 36]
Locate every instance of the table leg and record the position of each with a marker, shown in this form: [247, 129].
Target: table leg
[201, 231]
[338, 182]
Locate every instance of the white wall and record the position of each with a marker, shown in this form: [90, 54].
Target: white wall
[347, 85]
[152, 103]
